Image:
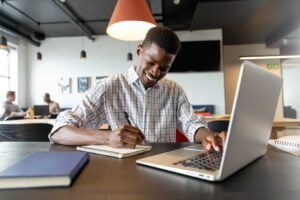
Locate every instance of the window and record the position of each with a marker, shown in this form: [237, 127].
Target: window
[4, 73]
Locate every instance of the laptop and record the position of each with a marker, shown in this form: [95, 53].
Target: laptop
[41, 110]
[248, 133]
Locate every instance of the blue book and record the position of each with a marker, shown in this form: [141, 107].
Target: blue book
[44, 169]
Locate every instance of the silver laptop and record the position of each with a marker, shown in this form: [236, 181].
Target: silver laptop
[248, 131]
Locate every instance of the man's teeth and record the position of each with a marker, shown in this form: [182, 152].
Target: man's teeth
[150, 78]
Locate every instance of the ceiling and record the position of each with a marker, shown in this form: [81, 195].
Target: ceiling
[242, 21]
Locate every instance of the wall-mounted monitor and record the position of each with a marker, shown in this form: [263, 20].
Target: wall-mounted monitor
[198, 56]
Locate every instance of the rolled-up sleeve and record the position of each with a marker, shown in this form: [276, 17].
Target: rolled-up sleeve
[89, 113]
[187, 121]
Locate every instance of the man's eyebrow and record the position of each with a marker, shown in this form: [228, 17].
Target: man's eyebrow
[152, 59]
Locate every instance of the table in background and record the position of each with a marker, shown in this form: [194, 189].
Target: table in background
[274, 176]
[282, 124]
[278, 124]
[29, 121]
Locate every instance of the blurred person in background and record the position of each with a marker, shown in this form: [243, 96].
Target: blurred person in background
[10, 110]
[54, 108]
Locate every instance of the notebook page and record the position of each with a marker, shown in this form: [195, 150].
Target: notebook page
[114, 152]
[290, 144]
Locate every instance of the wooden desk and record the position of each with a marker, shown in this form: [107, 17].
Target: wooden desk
[274, 176]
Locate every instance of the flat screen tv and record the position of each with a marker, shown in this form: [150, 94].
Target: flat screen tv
[198, 56]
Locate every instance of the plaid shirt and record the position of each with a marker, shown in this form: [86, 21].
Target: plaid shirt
[157, 111]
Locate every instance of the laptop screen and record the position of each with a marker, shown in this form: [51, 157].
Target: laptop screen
[41, 110]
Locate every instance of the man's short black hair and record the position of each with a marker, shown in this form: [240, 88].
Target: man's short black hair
[47, 95]
[164, 38]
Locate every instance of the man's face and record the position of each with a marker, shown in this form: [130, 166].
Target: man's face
[11, 98]
[154, 64]
[46, 99]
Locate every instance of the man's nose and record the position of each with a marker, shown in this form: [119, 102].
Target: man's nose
[155, 71]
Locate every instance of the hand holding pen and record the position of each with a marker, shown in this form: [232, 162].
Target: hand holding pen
[126, 136]
[141, 136]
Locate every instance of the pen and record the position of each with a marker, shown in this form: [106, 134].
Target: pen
[129, 122]
[127, 118]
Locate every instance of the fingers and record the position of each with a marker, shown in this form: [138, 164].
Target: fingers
[130, 128]
[138, 135]
[207, 145]
[222, 135]
[125, 137]
[213, 142]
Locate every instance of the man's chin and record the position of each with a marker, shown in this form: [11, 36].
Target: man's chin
[148, 85]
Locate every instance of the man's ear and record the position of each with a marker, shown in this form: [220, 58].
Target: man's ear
[139, 49]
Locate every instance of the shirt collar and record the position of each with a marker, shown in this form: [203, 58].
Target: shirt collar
[133, 77]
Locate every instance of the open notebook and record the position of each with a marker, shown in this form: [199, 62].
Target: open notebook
[290, 144]
[114, 152]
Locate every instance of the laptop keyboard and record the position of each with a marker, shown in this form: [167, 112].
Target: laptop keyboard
[210, 161]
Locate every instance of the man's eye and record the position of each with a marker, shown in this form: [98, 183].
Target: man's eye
[163, 69]
[151, 63]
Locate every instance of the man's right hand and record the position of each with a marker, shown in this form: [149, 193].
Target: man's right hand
[125, 137]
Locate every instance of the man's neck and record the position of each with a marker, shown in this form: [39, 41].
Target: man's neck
[9, 101]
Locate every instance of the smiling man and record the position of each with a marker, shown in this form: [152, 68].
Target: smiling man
[138, 104]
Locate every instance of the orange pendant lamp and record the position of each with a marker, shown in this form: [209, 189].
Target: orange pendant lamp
[130, 20]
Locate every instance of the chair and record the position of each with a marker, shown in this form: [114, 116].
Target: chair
[25, 132]
[218, 126]
[180, 137]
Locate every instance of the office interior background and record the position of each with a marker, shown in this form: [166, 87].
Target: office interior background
[60, 29]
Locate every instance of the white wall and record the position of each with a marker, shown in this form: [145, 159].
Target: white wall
[107, 56]
[61, 58]
[232, 65]
[22, 75]
[291, 85]
[204, 87]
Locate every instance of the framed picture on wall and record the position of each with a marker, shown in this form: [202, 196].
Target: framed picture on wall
[83, 84]
[64, 85]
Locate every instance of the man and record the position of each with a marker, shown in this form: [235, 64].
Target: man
[8, 109]
[53, 106]
[154, 106]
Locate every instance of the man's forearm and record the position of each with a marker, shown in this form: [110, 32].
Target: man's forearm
[21, 114]
[70, 135]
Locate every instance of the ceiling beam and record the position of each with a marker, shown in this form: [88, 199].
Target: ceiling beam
[274, 39]
[74, 19]
[12, 28]
[11, 31]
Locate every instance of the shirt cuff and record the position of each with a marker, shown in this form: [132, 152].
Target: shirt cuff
[193, 129]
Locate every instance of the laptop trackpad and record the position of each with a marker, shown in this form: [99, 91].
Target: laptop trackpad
[195, 147]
